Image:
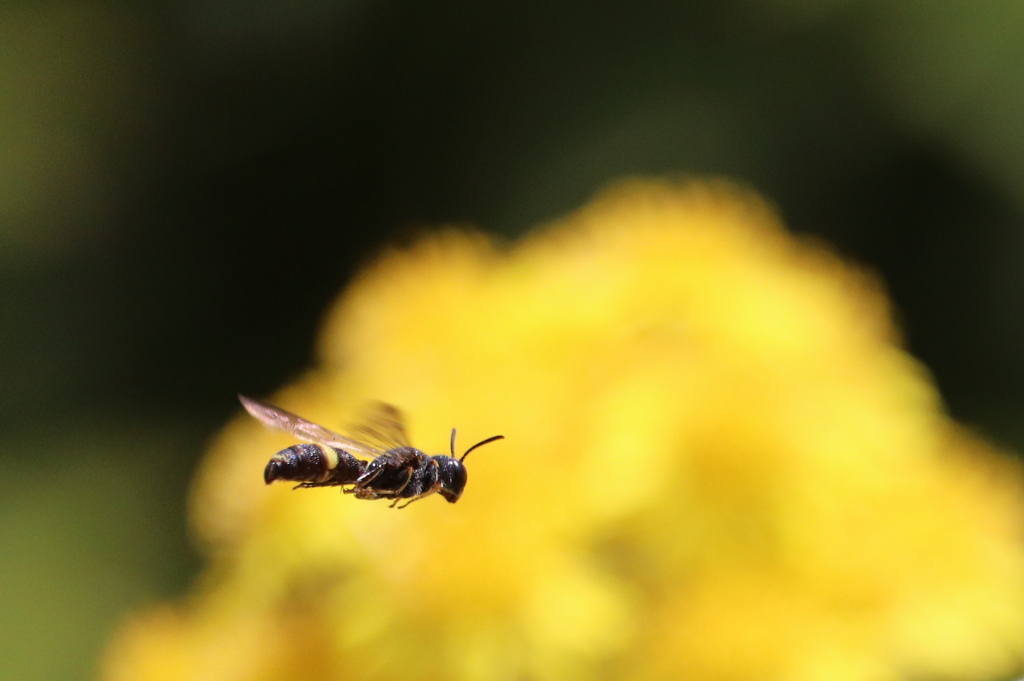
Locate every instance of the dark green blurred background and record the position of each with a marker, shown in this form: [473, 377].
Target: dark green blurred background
[186, 184]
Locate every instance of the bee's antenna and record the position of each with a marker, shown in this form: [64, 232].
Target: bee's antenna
[478, 444]
[453, 443]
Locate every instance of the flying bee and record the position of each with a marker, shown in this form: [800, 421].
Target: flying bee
[394, 470]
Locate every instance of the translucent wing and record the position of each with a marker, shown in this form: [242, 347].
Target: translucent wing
[275, 417]
[383, 426]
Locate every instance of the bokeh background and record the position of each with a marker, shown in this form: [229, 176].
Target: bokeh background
[186, 184]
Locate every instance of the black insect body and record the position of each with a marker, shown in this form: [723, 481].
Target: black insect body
[314, 466]
[407, 473]
[398, 470]
[395, 471]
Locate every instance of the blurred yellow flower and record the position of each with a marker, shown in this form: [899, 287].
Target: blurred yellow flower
[719, 465]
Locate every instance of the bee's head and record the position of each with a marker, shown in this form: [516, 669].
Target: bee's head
[451, 472]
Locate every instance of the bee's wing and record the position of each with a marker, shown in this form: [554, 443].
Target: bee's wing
[383, 426]
[275, 417]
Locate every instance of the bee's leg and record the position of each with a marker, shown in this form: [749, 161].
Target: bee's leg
[326, 483]
[398, 491]
[368, 477]
[405, 484]
[415, 498]
[420, 496]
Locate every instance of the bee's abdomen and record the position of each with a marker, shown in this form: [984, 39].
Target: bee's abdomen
[301, 463]
[314, 463]
[346, 468]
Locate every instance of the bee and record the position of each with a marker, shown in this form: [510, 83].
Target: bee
[390, 468]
